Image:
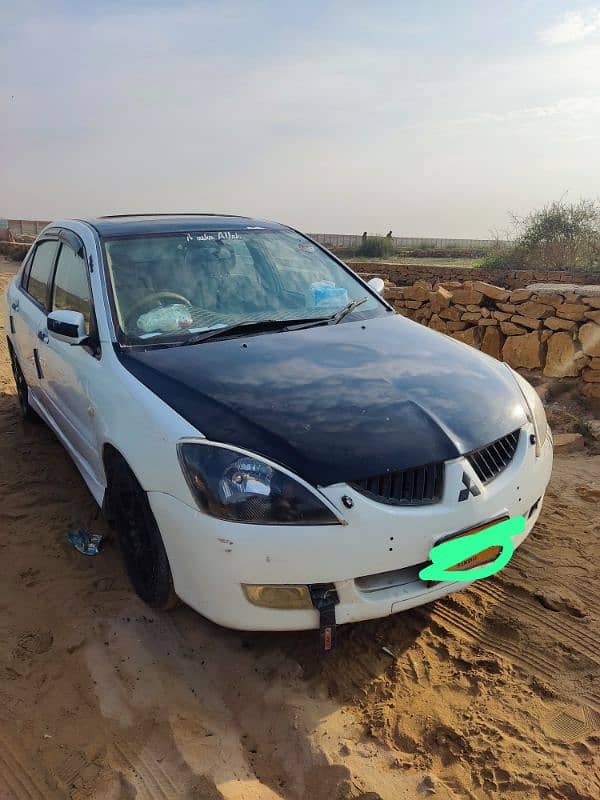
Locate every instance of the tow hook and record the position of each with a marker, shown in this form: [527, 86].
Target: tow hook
[324, 598]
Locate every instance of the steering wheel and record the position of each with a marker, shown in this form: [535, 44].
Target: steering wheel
[134, 311]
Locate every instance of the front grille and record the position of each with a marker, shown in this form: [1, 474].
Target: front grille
[417, 486]
[489, 461]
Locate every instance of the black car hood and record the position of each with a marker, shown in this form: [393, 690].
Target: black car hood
[338, 403]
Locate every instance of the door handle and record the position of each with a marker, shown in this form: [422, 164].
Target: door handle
[43, 337]
[15, 305]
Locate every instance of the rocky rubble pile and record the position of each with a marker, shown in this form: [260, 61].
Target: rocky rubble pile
[553, 327]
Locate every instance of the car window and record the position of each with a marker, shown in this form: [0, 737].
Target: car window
[41, 269]
[71, 289]
[191, 282]
[300, 263]
[26, 267]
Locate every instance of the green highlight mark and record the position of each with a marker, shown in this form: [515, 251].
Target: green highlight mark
[449, 553]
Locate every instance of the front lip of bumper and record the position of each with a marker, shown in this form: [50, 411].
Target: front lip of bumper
[211, 559]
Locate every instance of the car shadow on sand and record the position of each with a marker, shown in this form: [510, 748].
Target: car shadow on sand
[364, 651]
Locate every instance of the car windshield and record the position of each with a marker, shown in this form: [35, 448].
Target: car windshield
[169, 285]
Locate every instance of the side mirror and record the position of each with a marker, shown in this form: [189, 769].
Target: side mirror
[67, 326]
[377, 284]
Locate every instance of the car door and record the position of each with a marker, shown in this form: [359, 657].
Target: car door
[71, 371]
[28, 308]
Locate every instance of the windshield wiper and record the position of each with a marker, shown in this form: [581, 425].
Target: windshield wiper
[253, 326]
[334, 318]
[197, 338]
[343, 312]
[250, 326]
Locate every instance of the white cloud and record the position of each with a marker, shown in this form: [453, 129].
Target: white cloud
[575, 109]
[573, 27]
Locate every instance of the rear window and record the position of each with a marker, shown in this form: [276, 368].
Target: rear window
[40, 271]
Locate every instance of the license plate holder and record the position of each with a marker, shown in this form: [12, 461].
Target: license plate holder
[481, 558]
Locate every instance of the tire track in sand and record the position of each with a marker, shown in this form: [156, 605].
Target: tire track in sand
[567, 630]
[469, 629]
[20, 778]
[524, 656]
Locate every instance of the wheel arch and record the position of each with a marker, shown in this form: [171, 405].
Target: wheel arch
[166, 597]
[110, 455]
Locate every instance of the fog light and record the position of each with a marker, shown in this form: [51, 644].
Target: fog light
[278, 596]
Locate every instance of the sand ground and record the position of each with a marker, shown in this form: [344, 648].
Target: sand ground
[493, 692]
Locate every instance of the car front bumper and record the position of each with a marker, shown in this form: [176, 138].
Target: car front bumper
[373, 560]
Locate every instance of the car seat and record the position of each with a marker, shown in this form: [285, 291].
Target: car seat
[219, 283]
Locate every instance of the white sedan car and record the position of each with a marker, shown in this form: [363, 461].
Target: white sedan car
[273, 443]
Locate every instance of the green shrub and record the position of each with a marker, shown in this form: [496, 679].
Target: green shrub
[560, 236]
[376, 247]
[504, 256]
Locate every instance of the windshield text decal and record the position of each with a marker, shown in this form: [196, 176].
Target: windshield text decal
[211, 237]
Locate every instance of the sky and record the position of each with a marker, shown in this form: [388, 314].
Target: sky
[429, 119]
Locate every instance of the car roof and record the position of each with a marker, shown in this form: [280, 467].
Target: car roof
[138, 224]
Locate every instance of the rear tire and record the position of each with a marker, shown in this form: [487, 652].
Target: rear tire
[27, 412]
[141, 543]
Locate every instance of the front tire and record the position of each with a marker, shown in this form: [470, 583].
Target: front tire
[141, 543]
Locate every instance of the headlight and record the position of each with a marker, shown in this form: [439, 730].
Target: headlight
[241, 488]
[535, 411]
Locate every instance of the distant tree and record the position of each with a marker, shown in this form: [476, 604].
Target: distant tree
[376, 247]
[560, 235]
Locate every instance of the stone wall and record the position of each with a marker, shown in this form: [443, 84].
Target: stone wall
[407, 274]
[14, 250]
[553, 328]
